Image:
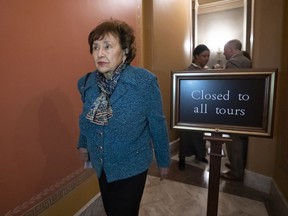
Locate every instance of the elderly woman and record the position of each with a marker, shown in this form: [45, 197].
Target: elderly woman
[122, 122]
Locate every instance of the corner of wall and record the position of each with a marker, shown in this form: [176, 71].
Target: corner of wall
[279, 201]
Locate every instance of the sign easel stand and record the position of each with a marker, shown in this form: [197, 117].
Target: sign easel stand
[216, 153]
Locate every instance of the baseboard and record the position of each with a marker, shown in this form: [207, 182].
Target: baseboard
[57, 197]
[278, 200]
[174, 146]
[257, 181]
[267, 185]
[92, 206]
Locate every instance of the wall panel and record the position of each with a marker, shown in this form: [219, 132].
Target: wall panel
[168, 43]
[44, 51]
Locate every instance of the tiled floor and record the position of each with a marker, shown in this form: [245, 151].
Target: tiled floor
[185, 193]
[170, 198]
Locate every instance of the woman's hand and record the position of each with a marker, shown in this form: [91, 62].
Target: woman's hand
[83, 154]
[163, 173]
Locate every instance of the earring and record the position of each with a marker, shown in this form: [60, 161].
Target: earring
[124, 58]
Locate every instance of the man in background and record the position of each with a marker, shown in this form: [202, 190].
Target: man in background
[237, 149]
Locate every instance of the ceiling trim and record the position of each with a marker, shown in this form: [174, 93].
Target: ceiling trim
[220, 6]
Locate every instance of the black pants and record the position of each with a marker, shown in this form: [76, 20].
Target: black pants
[192, 143]
[122, 197]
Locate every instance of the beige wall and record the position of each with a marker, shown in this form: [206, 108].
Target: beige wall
[268, 21]
[281, 159]
[167, 42]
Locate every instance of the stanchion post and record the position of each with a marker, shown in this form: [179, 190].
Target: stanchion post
[216, 153]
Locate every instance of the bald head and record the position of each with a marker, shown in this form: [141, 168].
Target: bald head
[231, 48]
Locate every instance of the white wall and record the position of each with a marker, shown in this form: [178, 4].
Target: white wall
[215, 29]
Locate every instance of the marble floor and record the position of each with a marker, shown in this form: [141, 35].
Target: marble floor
[185, 193]
[172, 198]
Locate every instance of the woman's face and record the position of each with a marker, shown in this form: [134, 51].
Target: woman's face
[203, 58]
[107, 55]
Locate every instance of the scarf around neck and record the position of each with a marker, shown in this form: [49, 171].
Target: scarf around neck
[101, 109]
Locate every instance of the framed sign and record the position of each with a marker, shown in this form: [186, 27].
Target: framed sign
[226, 101]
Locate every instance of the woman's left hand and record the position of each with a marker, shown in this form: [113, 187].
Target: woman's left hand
[163, 173]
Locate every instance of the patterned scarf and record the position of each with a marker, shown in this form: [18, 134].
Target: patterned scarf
[101, 109]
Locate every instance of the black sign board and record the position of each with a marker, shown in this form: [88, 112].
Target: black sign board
[227, 101]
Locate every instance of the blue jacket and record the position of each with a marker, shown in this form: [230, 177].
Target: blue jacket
[125, 146]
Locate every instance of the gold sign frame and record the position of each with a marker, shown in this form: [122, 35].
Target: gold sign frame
[252, 91]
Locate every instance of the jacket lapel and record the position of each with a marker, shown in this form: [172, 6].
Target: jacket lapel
[119, 92]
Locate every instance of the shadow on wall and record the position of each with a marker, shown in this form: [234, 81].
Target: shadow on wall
[49, 127]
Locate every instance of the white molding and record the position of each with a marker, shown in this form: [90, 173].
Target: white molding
[257, 181]
[174, 141]
[220, 6]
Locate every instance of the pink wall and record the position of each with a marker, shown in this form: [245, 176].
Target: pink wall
[43, 52]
